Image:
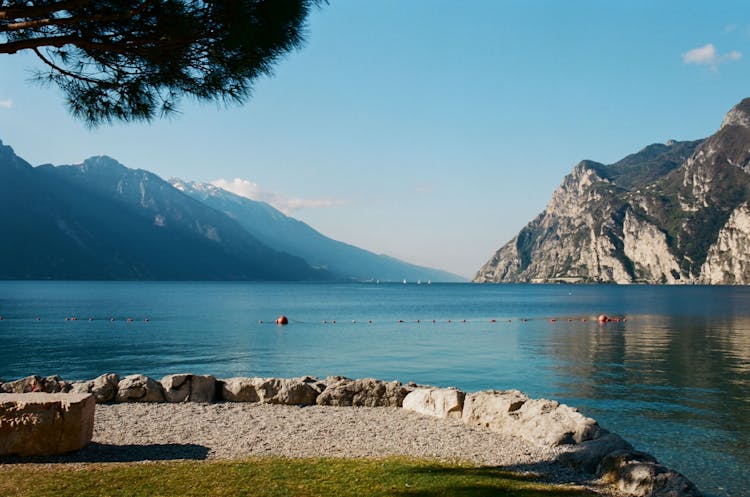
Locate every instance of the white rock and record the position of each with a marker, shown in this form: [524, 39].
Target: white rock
[541, 421]
[239, 389]
[490, 408]
[288, 391]
[640, 474]
[139, 388]
[366, 392]
[436, 402]
[189, 387]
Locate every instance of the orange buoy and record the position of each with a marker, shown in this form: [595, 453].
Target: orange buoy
[282, 320]
[603, 318]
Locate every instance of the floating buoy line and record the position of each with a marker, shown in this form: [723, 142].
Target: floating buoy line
[601, 319]
[283, 320]
[89, 319]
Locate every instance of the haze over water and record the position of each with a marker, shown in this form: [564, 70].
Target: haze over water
[674, 379]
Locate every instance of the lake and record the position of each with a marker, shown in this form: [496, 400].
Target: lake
[673, 378]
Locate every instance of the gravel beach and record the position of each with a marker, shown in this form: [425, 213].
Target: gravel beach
[137, 432]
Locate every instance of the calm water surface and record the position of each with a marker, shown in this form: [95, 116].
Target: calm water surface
[674, 379]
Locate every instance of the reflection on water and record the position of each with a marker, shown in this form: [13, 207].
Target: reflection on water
[674, 379]
[677, 384]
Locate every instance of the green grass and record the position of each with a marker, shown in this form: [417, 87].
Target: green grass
[274, 477]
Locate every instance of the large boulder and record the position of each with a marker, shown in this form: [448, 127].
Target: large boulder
[288, 391]
[139, 388]
[103, 388]
[367, 392]
[36, 383]
[83, 386]
[640, 475]
[45, 424]
[189, 387]
[541, 421]
[547, 422]
[587, 456]
[436, 402]
[239, 389]
[490, 408]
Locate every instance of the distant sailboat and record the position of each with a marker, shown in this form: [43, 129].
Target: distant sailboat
[419, 282]
[429, 282]
[404, 281]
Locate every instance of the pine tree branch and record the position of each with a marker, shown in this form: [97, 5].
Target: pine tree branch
[63, 71]
[29, 11]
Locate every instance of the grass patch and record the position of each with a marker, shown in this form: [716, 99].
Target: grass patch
[274, 477]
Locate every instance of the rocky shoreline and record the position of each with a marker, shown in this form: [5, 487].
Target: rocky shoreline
[296, 417]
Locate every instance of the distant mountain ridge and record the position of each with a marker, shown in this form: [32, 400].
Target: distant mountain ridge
[672, 213]
[287, 234]
[100, 220]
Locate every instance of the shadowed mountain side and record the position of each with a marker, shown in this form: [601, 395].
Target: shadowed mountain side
[101, 220]
[290, 235]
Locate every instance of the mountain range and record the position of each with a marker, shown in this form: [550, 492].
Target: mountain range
[100, 220]
[295, 237]
[671, 213]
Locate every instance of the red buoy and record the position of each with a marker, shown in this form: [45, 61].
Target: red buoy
[282, 320]
[603, 318]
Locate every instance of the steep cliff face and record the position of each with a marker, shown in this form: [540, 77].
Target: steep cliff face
[671, 213]
[728, 259]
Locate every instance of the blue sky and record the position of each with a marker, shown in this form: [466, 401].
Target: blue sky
[429, 130]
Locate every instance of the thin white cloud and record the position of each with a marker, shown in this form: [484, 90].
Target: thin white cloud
[424, 189]
[285, 204]
[6, 104]
[708, 56]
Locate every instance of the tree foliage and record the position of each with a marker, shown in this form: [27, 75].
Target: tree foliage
[135, 59]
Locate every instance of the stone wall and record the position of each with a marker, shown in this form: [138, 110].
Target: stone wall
[585, 445]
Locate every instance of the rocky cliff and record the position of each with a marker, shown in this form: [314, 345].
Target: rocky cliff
[672, 213]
